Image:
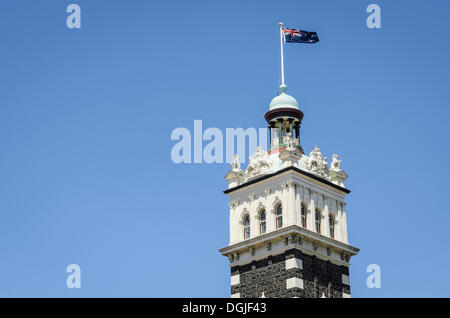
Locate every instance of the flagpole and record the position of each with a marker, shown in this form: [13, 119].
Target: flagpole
[282, 59]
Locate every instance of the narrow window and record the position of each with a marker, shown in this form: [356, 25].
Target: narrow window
[279, 220]
[317, 221]
[331, 222]
[303, 209]
[246, 227]
[262, 221]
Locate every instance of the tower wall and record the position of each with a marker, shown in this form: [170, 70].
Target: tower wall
[290, 274]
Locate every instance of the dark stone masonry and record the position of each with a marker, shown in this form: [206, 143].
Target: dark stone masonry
[269, 275]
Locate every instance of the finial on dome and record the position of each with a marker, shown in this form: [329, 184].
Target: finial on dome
[283, 88]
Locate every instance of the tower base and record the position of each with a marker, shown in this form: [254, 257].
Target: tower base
[290, 274]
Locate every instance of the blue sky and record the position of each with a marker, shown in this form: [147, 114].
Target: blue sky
[86, 117]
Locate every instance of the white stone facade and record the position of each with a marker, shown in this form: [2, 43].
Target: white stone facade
[286, 180]
[291, 190]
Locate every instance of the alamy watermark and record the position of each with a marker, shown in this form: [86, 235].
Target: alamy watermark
[74, 279]
[73, 21]
[374, 279]
[374, 19]
[213, 145]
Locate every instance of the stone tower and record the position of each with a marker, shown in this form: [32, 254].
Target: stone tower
[288, 224]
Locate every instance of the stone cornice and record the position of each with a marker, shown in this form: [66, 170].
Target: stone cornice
[285, 232]
[305, 173]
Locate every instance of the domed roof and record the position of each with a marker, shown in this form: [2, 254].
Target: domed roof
[283, 100]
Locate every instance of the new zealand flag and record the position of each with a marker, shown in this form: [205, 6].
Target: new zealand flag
[299, 36]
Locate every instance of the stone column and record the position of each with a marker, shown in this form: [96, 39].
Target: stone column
[280, 132]
[326, 214]
[320, 205]
[337, 220]
[344, 224]
[233, 223]
[298, 202]
[292, 206]
[271, 215]
[311, 212]
[238, 225]
[254, 222]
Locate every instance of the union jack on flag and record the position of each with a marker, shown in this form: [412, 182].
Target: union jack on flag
[299, 36]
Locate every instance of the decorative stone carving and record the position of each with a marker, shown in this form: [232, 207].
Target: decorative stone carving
[316, 165]
[325, 170]
[235, 164]
[236, 175]
[290, 142]
[259, 164]
[233, 204]
[336, 163]
[290, 155]
[337, 175]
[293, 239]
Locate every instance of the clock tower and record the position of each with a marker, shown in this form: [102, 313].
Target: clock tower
[288, 219]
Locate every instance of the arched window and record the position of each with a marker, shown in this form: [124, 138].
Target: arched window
[331, 223]
[262, 221]
[303, 215]
[317, 219]
[279, 219]
[246, 227]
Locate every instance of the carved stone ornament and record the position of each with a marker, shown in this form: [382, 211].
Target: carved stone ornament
[336, 163]
[259, 164]
[235, 164]
[316, 165]
[290, 142]
[236, 175]
[337, 175]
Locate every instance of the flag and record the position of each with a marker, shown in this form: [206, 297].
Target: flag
[299, 36]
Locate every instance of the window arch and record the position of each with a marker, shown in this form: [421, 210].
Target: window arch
[279, 216]
[331, 224]
[303, 216]
[246, 222]
[317, 220]
[262, 221]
